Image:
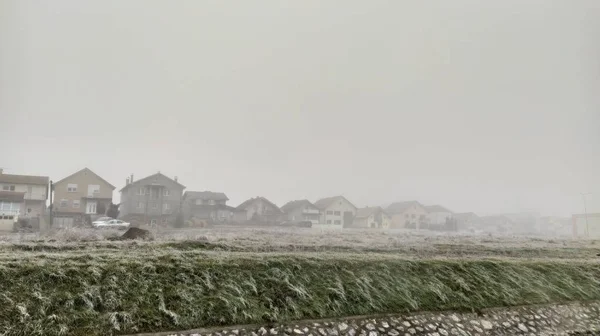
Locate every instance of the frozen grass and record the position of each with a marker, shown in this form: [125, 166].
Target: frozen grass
[139, 291]
[78, 282]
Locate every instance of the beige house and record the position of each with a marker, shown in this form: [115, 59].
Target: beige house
[82, 193]
[154, 200]
[260, 210]
[410, 215]
[23, 195]
[371, 217]
[336, 210]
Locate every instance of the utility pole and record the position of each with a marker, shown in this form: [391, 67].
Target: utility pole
[587, 228]
[51, 205]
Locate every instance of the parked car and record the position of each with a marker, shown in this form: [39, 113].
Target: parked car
[111, 224]
[102, 220]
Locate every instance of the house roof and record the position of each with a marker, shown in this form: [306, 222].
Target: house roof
[436, 208]
[12, 196]
[205, 195]
[254, 199]
[400, 207]
[292, 205]
[24, 179]
[145, 179]
[84, 170]
[324, 203]
[368, 211]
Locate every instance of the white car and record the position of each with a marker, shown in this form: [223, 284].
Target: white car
[111, 224]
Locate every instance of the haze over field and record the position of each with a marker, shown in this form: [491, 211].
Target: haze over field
[480, 106]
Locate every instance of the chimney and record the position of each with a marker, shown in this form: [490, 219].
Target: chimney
[131, 178]
[175, 179]
[127, 181]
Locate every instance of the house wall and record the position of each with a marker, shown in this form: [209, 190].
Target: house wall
[83, 179]
[334, 213]
[150, 207]
[299, 215]
[35, 198]
[411, 215]
[262, 209]
[438, 217]
[371, 222]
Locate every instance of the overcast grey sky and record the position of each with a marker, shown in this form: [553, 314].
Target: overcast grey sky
[485, 106]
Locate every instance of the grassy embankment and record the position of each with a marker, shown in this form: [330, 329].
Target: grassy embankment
[140, 289]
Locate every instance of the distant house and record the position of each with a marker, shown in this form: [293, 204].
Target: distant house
[81, 193]
[259, 209]
[467, 221]
[371, 217]
[207, 205]
[437, 214]
[301, 210]
[497, 223]
[154, 200]
[410, 214]
[23, 195]
[336, 210]
[525, 222]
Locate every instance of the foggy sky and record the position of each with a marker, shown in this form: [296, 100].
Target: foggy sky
[484, 106]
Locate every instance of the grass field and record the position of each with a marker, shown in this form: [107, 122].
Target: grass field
[76, 282]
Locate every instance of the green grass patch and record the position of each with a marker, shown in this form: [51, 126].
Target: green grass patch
[123, 293]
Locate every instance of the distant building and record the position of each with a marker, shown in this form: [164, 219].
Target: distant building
[336, 210]
[497, 224]
[207, 205]
[79, 194]
[23, 195]
[154, 200]
[525, 222]
[437, 214]
[467, 221]
[259, 209]
[410, 214]
[301, 210]
[372, 217]
[586, 225]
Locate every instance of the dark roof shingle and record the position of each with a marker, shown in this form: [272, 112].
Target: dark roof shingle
[24, 179]
[205, 195]
[292, 205]
[399, 207]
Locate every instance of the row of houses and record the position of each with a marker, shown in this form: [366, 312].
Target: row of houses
[158, 200]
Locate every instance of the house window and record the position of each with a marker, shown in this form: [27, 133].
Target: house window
[329, 221]
[72, 187]
[337, 221]
[7, 187]
[153, 222]
[337, 213]
[330, 212]
[64, 203]
[76, 204]
[165, 220]
[154, 206]
[211, 202]
[141, 191]
[140, 205]
[198, 202]
[93, 189]
[166, 192]
[167, 206]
